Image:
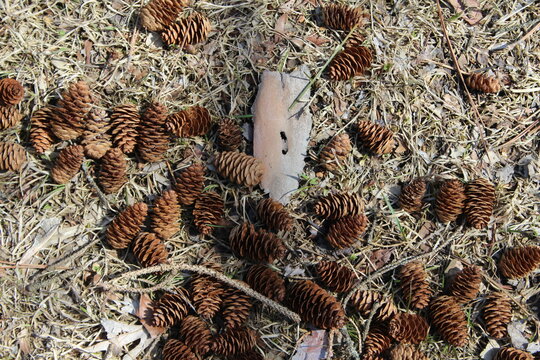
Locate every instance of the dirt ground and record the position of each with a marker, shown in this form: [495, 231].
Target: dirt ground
[52, 253]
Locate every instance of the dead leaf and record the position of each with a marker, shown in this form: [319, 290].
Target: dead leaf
[314, 346]
[88, 50]
[24, 342]
[279, 28]
[380, 257]
[471, 10]
[426, 229]
[317, 40]
[518, 338]
[144, 313]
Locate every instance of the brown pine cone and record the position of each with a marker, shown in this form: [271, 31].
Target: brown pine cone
[196, 335]
[11, 92]
[69, 118]
[170, 309]
[177, 350]
[356, 39]
[466, 284]
[449, 320]
[483, 83]
[126, 225]
[149, 249]
[189, 184]
[208, 212]
[509, 353]
[414, 285]
[67, 164]
[344, 232]
[351, 62]
[12, 156]
[125, 120]
[497, 314]
[193, 121]
[377, 340]
[315, 305]
[412, 194]
[256, 245]
[450, 200]
[341, 17]
[363, 301]
[519, 262]
[187, 31]
[41, 135]
[158, 14]
[166, 215]
[248, 355]
[235, 308]
[274, 215]
[9, 116]
[479, 203]
[235, 341]
[406, 352]
[95, 140]
[153, 140]
[334, 154]
[112, 175]
[264, 280]
[336, 206]
[239, 168]
[207, 294]
[409, 328]
[336, 277]
[375, 138]
[230, 135]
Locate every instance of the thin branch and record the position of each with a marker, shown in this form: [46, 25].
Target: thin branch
[509, 46]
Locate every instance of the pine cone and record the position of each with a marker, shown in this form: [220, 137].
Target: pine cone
[466, 284]
[207, 294]
[412, 194]
[264, 280]
[69, 118]
[375, 138]
[235, 308]
[333, 155]
[41, 135]
[449, 320]
[9, 116]
[195, 333]
[344, 232]
[149, 249]
[170, 309]
[112, 175]
[274, 215]
[208, 212]
[189, 184]
[519, 262]
[187, 31]
[356, 39]
[336, 277]
[67, 164]
[153, 140]
[235, 341]
[483, 83]
[351, 62]
[166, 215]
[497, 314]
[450, 200]
[414, 286]
[479, 203]
[315, 305]
[255, 245]
[406, 352]
[125, 120]
[408, 328]
[341, 17]
[158, 14]
[364, 300]
[239, 168]
[377, 340]
[95, 140]
[509, 353]
[230, 135]
[12, 156]
[126, 226]
[11, 92]
[193, 121]
[248, 355]
[336, 206]
[177, 350]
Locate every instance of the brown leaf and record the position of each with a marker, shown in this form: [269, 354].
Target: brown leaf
[87, 50]
[380, 257]
[317, 40]
[144, 313]
[471, 10]
[279, 28]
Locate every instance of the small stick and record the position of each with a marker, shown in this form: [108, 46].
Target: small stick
[509, 46]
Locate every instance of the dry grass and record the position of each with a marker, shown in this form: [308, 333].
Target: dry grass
[412, 88]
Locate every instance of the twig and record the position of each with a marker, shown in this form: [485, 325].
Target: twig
[199, 270]
[509, 46]
[531, 128]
